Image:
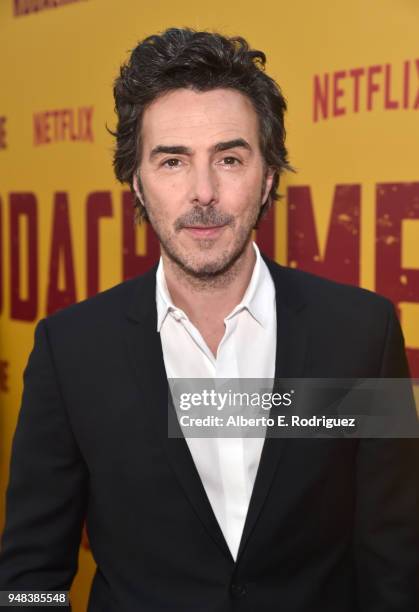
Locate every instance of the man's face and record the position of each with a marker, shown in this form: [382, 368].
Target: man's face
[203, 177]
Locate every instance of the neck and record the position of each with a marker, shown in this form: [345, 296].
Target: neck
[209, 300]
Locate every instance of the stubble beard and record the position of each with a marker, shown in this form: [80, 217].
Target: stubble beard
[219, 271]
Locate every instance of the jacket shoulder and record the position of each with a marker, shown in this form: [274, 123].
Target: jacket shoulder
[348, 327]
[320, 292]
[106, 306]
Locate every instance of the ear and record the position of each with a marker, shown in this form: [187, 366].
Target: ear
[269, 177]
[136, 186]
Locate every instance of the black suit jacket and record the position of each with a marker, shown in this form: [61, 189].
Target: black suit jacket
[332, 524]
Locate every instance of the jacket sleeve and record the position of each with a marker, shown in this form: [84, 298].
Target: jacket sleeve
[46, 495]
[387, 508]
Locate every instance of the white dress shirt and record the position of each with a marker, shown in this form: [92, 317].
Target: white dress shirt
[227, 466]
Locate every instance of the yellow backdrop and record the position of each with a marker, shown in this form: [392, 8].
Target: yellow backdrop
[350, 73]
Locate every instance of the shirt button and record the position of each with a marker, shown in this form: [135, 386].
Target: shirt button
[238, 590]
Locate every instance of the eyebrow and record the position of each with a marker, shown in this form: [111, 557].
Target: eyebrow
[232, 144]
[172, 149]
[182, 150]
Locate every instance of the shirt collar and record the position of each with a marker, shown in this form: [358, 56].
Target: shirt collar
[255, 299]
[163, 298]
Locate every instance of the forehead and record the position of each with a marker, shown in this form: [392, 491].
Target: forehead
[187, 117]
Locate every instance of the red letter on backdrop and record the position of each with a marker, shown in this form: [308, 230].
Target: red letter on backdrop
[61, 253]
[372, 86]
[320, 97]
[395, 202]
[3, 143]
[356, 74]
[98, 205]
[23, 205]
[265, 234]
[132, 263]
[337, 93]
[341, 260]
[4, 376]
[1, 257]
[389, 104]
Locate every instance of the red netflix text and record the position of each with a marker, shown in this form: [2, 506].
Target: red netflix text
[366, 88]
[68, 124]
[26, 7]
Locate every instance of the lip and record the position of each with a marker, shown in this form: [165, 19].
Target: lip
[205, 231]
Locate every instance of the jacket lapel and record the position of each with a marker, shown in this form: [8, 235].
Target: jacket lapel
[146, 357]
[291, 353]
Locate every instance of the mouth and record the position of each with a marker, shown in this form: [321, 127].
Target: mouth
[207, 231]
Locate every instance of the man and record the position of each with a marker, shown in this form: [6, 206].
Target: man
[210, 524]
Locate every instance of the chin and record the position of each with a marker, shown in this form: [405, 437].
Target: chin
[206, 261]
[209, 267]
[207, 270]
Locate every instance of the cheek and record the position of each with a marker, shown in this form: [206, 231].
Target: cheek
[156, 185]
[242, 193]
[162, 197]
[161, 190]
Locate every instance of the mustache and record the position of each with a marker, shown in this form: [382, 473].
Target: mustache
[203, 217]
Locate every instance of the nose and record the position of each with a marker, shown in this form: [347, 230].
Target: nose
[204, 184]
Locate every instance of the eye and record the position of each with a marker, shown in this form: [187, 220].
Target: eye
[173, 162]
[230, 161]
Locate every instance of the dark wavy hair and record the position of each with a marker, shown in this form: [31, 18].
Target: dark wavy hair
[202, 61]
